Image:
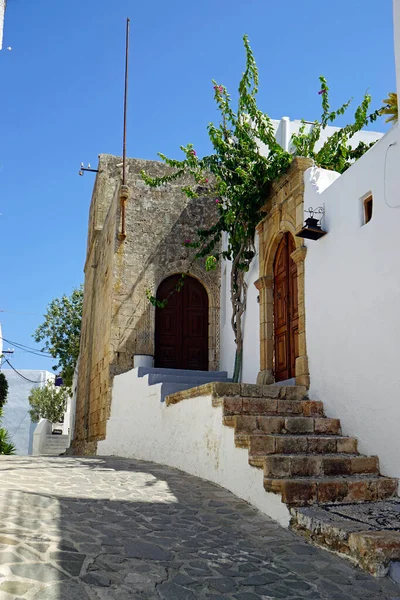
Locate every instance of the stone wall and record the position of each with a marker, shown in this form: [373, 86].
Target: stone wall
[118, 320]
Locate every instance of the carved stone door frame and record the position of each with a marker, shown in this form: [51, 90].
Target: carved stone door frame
[284, 213]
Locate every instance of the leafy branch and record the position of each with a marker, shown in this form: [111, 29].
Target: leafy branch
[241, 177]
[336, 153]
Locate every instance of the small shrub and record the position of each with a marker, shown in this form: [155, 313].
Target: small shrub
[48, 402]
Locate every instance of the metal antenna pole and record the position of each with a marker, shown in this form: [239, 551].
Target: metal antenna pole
[128, 21]
[124, 191]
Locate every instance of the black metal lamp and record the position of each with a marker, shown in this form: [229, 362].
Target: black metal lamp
[312, 229]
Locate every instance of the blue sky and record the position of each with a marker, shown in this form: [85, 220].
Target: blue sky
[61, 103]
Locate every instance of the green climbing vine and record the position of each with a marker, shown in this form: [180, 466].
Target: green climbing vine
[336, 153]
[238, 177]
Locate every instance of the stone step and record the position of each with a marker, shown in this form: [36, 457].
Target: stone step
[268, 406]
[63, 443]
[171, 388]
[296, 444]
[367, 532]
[198, 375]
[304, 491]
[286, 425]
[55, 445]
[48, 444]
[314, 465]
[223, 388]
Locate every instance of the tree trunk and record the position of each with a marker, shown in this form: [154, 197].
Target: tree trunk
[238, 363]
[238, 301]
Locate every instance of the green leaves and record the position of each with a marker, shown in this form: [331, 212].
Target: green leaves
[336, 154]
[61, 331]
[48, 402]
[241, 176]
[391, 108]
[163, 303]
[6, 446]
[211, 263]
[3, 390]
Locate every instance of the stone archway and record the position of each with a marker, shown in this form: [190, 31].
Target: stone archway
[284, 213]
[181, 327]
[210, 281]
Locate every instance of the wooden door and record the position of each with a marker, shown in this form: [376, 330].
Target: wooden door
[286, 314]
[181, 340]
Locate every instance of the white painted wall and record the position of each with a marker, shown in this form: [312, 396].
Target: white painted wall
[189, 436]
[285, 128]
[2, 12]
[70, 413]
[352, 292]
[41, 431]
[16, 418]
[396, 24]
[251, 323]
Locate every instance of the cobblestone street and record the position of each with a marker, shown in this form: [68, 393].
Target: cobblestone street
[118, 529]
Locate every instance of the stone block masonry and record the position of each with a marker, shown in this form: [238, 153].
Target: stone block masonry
[118, 320]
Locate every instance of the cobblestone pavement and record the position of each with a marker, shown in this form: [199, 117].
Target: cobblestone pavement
[118, 529]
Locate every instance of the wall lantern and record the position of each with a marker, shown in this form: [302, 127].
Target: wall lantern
[312, 229]
[59, 381]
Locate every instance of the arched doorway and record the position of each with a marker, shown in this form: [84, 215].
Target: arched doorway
[286, 310]
[181, 335]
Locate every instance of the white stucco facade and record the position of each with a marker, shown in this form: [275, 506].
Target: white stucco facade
[396, 22]
[2, 13]
[352, 292]
[285, 129]
[251, 323]
[16, 418]
[352, 288]
[189, 435]
[251, 319]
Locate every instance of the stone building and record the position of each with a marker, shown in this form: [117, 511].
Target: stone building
[119, 322]
[300, 437]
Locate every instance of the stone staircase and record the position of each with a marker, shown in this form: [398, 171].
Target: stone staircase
[55, 445]
[177, 380]
[306, 459]
[303, 453]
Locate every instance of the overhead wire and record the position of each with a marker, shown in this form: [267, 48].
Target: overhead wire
[29, 349]
[20, 374]
[23, 345]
